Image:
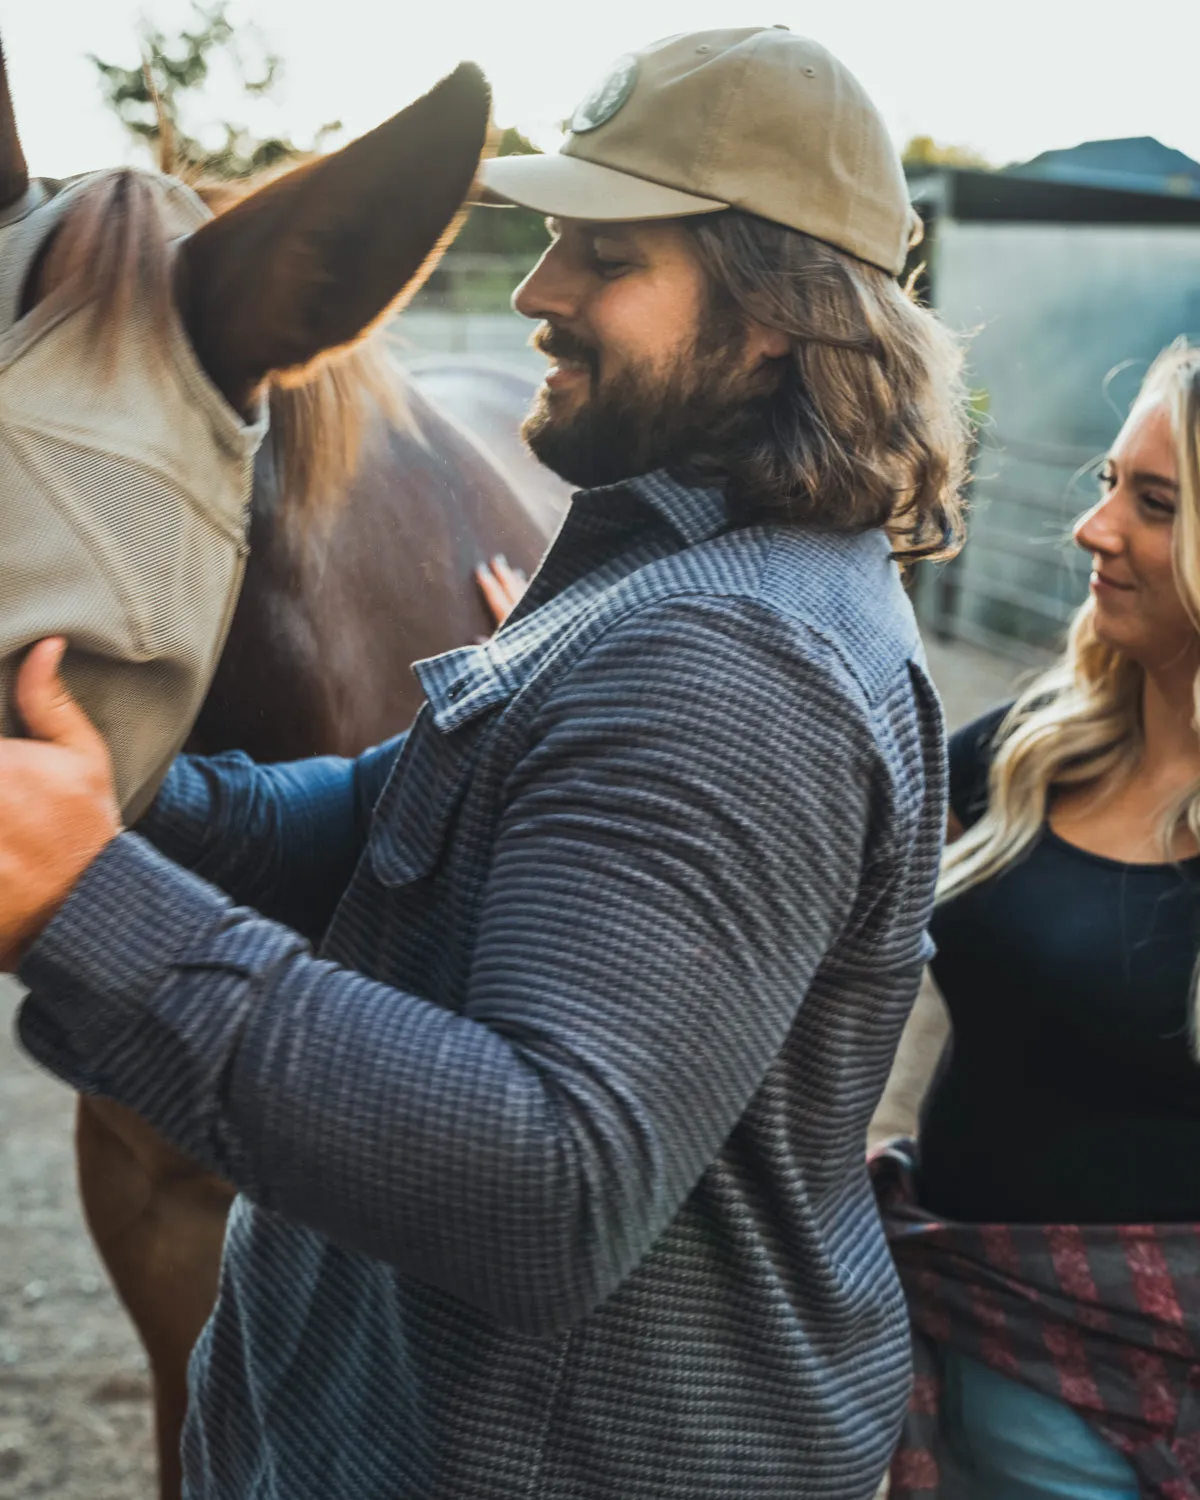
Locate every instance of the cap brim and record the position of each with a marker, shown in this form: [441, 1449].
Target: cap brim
[564, 187]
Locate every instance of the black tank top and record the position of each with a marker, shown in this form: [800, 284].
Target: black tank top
[1069, 1093]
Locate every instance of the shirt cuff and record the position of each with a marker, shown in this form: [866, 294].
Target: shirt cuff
[180, 819]
[92, 972]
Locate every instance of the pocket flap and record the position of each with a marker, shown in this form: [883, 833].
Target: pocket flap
[412, 816]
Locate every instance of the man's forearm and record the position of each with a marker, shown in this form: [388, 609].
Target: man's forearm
[320, 1093]
[283, 839]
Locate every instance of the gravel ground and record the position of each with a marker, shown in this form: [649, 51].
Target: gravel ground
[74, 1395]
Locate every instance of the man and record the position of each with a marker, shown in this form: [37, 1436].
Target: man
[552, 1161]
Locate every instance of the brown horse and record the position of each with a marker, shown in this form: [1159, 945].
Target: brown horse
[371, 509]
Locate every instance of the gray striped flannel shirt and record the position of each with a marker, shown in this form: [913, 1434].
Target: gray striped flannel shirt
[551, 1158]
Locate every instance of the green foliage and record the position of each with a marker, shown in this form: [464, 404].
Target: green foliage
[924, 151]
[147, 98]
[505, 231]
[513, 143]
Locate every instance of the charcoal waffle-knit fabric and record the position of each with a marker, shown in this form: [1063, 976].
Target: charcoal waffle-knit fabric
[126, 484]
[552, 1164]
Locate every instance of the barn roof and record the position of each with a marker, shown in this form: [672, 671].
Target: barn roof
[1135, 180]
[1137, 164]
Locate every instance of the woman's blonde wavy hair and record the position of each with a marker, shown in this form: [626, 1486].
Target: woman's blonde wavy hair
[1082, 720]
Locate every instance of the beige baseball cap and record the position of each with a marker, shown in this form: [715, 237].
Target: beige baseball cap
[756, 118]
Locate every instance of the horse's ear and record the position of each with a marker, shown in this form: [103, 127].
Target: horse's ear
[309, 262]
[14, 174]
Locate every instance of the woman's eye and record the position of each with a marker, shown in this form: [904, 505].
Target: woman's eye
[1157, 507]
[1107, 479]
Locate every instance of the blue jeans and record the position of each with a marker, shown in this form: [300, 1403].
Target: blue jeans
[1008, 1442]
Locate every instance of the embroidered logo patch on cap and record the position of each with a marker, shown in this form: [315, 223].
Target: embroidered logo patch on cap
[607, 97]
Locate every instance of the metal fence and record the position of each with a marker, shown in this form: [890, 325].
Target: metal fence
[1020, 578]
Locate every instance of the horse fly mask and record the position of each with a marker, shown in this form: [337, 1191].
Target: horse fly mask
[125, 484]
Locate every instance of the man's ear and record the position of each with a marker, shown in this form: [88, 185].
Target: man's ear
[764, 343]
[312, 260]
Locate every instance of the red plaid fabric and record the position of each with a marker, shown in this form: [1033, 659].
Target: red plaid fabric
[1103, 1317]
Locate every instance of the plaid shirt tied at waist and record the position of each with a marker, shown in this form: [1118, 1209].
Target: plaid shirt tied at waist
[1104, 1317]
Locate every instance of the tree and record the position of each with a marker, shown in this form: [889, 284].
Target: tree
[505, 231]
[148, 98]
[156, 100]
[924, 151]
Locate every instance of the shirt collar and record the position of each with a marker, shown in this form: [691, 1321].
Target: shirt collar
[695, 511]
[461, 684]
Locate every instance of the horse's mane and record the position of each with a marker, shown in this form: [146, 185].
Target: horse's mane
[113, 245]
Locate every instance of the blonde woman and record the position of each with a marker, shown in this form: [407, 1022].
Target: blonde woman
[1049, 1239]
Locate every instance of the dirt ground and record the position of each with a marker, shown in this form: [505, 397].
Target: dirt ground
[74, 1395]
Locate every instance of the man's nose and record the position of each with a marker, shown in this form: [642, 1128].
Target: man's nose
[548, 292]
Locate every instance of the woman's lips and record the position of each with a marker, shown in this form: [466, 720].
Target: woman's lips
[1102, 584]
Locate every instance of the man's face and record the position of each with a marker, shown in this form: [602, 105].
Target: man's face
[642, 360]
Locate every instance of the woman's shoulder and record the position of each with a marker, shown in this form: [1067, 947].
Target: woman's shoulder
[971, 750]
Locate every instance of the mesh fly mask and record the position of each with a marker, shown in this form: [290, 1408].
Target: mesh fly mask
[125, 484]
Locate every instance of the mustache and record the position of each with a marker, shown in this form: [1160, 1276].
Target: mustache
[557, 343]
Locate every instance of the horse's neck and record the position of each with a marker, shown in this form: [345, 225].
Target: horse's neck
[331, 617]
[490, 402]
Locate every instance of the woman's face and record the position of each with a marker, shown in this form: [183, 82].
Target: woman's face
[1129, 534]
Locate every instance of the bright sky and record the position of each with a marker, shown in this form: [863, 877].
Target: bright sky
[1008, 77]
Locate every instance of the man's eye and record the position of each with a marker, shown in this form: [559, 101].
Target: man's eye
[607, 265]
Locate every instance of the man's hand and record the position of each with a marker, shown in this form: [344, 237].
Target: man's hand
[58, 805]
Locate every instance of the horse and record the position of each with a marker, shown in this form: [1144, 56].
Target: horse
[371, 508]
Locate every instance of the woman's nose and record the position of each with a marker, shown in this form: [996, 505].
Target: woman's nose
[1100, 529]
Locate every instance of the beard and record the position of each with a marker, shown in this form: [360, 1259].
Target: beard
[642, 418]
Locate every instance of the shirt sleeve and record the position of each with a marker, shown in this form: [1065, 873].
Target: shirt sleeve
[970, 751]
[681, 845]
[281, 838]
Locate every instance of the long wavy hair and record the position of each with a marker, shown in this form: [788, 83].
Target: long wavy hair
[1081, 721]
[867, 425]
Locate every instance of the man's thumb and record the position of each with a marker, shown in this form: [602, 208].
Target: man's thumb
[49, 711]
